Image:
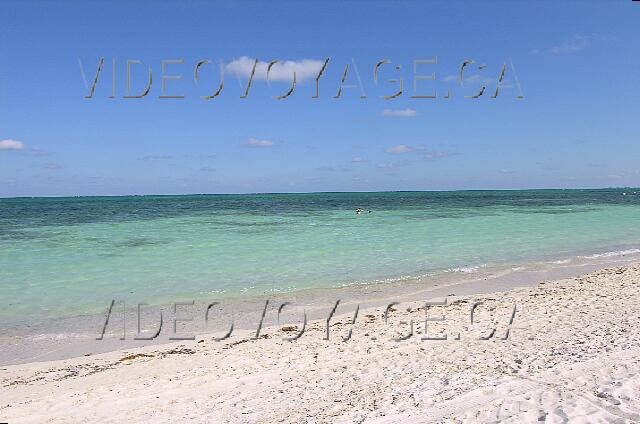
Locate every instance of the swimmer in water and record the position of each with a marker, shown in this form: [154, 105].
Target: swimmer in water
[359, 211]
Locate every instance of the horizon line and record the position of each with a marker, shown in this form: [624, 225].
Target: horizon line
[311, 192]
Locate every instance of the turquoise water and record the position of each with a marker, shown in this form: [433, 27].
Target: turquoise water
[73, 255]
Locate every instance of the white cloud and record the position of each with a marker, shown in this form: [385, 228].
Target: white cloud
[470, 79]
[419, 153]
[398, 164]
[400, 148]
[11, 145]
[575, 44]
[436, 155]
[400, 113]
[155, 157]
[384, 165]
[252, 142]
[358, 159]
[282, 71]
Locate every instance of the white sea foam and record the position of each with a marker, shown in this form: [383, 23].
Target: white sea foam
[612, 254]
[467, 269]
[386, 280]
[57, 336]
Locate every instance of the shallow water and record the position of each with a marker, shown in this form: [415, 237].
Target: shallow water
[64, 256]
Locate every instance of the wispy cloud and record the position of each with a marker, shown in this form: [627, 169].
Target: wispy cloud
[255, 143]
[437, 155]
[400, 148]
[450, 78]
[333, 169]
[397, 164]
[384, 165]
[155, 157]
[36, 151]
[11, 145]
[207, 169]
[400, 113]
[418, 153]
[282, 71]
[358, 159]
[199, 156]
[574, 44]
[470, 79]
[52, 166]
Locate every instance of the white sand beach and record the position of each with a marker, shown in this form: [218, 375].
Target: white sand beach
[347, 212]
[572, 355]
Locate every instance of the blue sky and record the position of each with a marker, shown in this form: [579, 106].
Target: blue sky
[577, 64]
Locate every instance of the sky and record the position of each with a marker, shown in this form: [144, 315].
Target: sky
[576, 65]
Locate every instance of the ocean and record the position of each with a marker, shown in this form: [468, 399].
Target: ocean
[70, 256]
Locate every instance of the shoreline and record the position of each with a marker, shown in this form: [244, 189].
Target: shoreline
[572, 353]
[75, 336]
